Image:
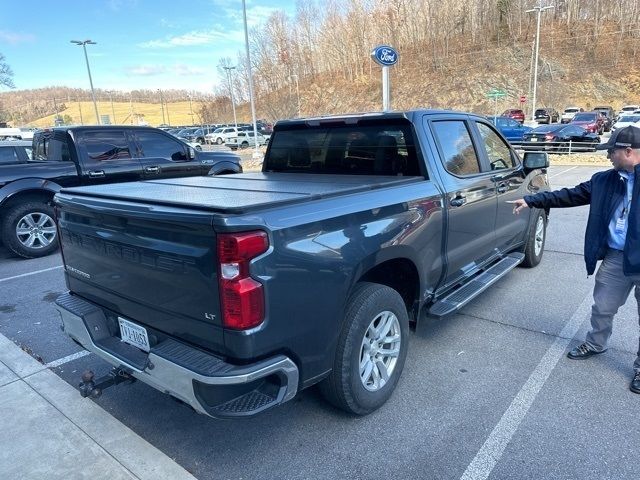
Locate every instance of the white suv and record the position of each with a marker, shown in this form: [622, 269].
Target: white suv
[569, 113]
[244, 140]
[222, 134]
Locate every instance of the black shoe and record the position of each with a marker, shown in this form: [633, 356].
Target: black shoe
[582, 352]
[635, 383]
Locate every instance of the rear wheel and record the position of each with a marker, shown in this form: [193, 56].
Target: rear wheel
[219, 141]
[371, 350]
[29, 231]
[535, 242]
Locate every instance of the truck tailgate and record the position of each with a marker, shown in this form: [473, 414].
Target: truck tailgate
[153, 265]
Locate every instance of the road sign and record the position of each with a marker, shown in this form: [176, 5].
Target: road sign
[523, 98]
[496, 93]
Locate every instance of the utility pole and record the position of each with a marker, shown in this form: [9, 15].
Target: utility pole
[80, 111]
[538, 9]
[190, 108]
[162, 106]
[84, 44]
[233, 104]
[295, 75]
[113, 112]
[256, 154]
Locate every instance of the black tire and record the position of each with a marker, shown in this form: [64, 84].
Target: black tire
[16, 215]
[219, 141]
[244, 145]
[344, 387]
[536, 239]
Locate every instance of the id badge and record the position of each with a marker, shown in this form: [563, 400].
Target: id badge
[620, 222]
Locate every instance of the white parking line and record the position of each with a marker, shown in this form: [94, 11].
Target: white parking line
[67, 359]
[564, 171]
[30, 273]
[490, 453]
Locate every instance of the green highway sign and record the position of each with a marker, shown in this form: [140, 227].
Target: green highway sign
[496, 93]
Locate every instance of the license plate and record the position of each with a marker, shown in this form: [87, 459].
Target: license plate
[134, 334]
[534, 139]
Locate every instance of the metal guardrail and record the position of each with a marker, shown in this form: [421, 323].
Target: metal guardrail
[555, 147]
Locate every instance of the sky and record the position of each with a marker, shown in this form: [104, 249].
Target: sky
[141, 44]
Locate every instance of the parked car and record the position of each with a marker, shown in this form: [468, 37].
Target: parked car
[91, 155]
[258, 285]
[514, 113]
[196, 135]
[569, 113]
[14, 152]
[591, 121]
[245, 140]
[625, 121]
[560, 138]
[511, 129]
[220, 135]
[628, 109]
[546, 115]
[609, 116]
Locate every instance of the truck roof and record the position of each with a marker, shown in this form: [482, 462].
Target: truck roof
[355, 117]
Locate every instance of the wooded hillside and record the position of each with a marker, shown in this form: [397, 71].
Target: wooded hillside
[451, 54]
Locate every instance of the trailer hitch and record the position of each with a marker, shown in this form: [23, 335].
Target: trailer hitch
[93, 387]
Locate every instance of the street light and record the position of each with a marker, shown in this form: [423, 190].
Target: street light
[233, 104]
[256, 154]
[539, 9]
[84, 44]
[295, 75]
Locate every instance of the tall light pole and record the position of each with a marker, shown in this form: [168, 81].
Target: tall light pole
[113, 112]
[253, 106]
[233, 104]
[539, 9]
[84, 44]
[295, 75]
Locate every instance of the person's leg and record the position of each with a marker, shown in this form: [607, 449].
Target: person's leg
[636, 364]
[609, 294]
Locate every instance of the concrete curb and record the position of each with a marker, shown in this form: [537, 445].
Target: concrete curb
[62, 435]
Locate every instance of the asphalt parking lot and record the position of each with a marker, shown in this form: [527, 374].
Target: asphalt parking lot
[487, 393]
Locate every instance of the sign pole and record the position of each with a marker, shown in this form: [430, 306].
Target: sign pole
[386, 89]
[385, 56]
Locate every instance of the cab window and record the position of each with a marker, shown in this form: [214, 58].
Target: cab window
[498, 152]
[458, 152]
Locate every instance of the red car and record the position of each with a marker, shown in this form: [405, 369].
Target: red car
[514, 113]
[592, 122]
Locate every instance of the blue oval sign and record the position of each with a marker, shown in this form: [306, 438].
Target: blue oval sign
[384, 55]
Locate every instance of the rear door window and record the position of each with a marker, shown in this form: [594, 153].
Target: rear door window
[458, 152]
[105, 145]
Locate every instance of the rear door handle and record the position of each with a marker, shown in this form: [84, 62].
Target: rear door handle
[153, 169]
[96, 174]
[502, 188]
[458, 201]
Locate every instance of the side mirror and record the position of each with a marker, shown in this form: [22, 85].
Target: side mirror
[191, 153]
[535, 160]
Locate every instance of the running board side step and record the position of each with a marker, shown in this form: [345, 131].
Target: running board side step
[470, 290]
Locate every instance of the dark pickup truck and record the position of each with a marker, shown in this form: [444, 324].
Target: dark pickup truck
[234, 293]
[74, 156]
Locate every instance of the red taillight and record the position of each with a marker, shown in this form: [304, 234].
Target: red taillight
[241, 296]
[549, 136]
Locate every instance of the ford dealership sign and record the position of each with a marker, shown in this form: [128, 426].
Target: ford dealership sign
[384, 55]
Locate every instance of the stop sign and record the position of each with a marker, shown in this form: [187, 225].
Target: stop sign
[523, 99]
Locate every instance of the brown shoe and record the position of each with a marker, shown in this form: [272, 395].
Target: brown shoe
[582, 352]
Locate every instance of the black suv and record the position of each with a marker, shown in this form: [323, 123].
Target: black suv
[609, 116]
[546, 115]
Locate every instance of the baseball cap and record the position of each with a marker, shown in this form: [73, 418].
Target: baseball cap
[627, 137]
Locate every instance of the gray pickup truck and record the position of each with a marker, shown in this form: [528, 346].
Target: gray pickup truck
[234, 293]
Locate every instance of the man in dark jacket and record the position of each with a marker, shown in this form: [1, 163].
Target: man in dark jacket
[613, 235]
